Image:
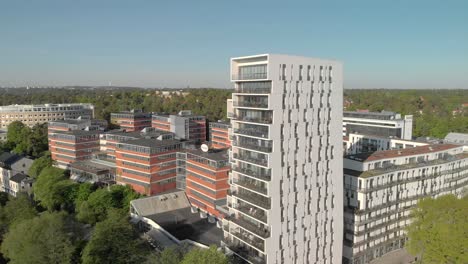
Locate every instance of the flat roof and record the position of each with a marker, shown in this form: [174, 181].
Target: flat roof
[79, 132]
[380, 171]
[71, 121]
[216, 155]
[146, 142]
[386, 154]
[90, 166]
[183, 224]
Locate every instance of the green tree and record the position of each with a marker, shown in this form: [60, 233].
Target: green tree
[439, 230]
[95, 208]
[211, 255]
[38, 139]
[39, 164]
[53, 190]
[40, 240]
[16, 210]
[15, 132]
[114, 241]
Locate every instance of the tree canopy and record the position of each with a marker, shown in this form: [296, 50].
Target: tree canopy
[211, 255]
[439, 230]
[114, 241]
[39, 164]
[54, 190]
[40, 240]
[27, 141]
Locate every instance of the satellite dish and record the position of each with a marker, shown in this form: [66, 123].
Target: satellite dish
[204, 147]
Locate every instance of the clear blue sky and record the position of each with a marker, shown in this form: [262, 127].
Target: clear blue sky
[383, 44]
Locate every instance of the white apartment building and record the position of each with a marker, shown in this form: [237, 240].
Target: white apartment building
[382, 188]
[37, 114]
[385, 124]
[358, 143]
[286, 182]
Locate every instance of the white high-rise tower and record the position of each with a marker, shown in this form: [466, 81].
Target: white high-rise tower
[286, 201]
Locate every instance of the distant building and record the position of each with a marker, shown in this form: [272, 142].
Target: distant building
[219, 135]
[134, 120]
[13, 174]
[184, 125]
[3, 135]
[456, 138]
[384, 124]
[76, 124]
[148, 165]
[69, 146]
[37, 114]
[382, 188]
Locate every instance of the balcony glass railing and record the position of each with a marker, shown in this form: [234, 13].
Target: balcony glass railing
[250, 76]
[254, 132]
[253, 103]
[248, 158]
[245, 251]
[253, 198]
[259, 230]
[261, 174]
[249, 144]
[252, 185]
[249, 239]
[251, 211]
[262, 120]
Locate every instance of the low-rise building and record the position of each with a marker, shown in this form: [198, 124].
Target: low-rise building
[456, 138]
[69, 146]
[13, 174]
[148, 165]
[381, 189]
[134, 120]
[219, 135]
[207, 180]
[93, 171]
[38, 114]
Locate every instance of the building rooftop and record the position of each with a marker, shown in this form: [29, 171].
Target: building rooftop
[183, 224]
[79, 132]
[392, 167]
[456, 138]
[91, 166]
[31, 107]
[71, 121]
[19, 177]
[387, 154]
[215, 155]
[151, 143]
[384, 115]
[7, 158]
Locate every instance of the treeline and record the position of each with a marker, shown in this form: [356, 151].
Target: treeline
[435, 112]
[208, 102]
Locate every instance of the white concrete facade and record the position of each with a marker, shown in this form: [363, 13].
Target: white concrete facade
[358, 143]
[386, 124]
[382, 189]
[286, 181]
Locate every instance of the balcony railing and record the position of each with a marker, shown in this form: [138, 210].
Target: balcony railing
[262, 120]
[263, 133]
[266, 176]
[250, 76]
[247, 158]
[245, 252]
[258, 230]
[256, 213]
[252, 146]
[250, 239]
[252, 90]
[253, 198]
[253, 185]
[253, 104]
